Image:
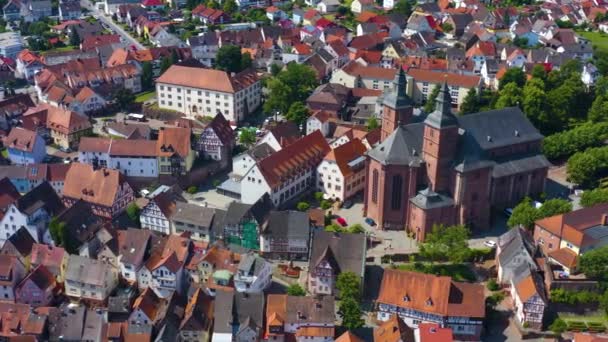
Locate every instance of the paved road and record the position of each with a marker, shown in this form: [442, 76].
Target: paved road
[108, 21]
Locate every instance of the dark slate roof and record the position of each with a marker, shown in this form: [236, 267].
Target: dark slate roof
[520, 165]
[42, 196]
[192, 213]
[499, 127]
[248, 308]
[287, 224]
[348, 250]
[261, 151]
[512, 244]
[222, 311]
[22, 241]
[235, 212]
[207, 38]
[251, 264]
[397, 98]
[442, 115]
[428, 199]
[402, 147]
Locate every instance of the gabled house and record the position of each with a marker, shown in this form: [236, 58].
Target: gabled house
[8, 195]
[341, 174]
[529, 298]
[28, 63]
[217, 140]
[106, 190]
[195, 220]
[393, 330]
[242, 223]
[175, 154]
[287, 173]
[286, 235]
[213, 268]
[149, 308]
[33, 212]
[133, 246]
[253, 275]
[37, 288]
[238, 316]
[69, 10]
[197, 323]
[281, 135]
[514, 249]
[89, 279]
[54, 259]
[332, 254]
[425, 298]
[163, 272]
[25, 146]
[157, 214]
[287, 315]
[11, 274]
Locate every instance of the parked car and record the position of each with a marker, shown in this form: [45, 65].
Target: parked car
[370, 221]
[342, 221]
[347, 204]
[490, 244]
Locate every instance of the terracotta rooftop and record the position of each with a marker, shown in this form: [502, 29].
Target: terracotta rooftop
[565, 256]
[431, 294]
[173, 140]
[93, 186]
[21, 139]
[211, 79]
[356, 69]
[437, 77]
[580, 220]
[346, 153]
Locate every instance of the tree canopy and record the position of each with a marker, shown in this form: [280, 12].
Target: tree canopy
[247, 137]
[296, 290]
[593, 197]
[446, 243]
[230, 59]
[429, 105]
[470, 104]
[298, 113]
[525, 213]
[293, 84]
[594, 263]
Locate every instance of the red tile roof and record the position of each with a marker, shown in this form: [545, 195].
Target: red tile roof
[99, 187]
[432, 332]
[21, 139]
[437, 77]
[208, 78]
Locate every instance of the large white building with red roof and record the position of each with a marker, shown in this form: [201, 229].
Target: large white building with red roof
[206, 92]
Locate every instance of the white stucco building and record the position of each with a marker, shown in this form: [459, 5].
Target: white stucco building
[135, 158]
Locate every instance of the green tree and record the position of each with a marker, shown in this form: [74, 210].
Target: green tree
[429, 105]
[133, 212]
[583, 167]
[510, 96]
[57, 229]
[554, 206]
[539, 72]
[534, 103]
[513, 75]
[594, 263]
[446, 243]
[74, 38]
[246, 61]
[296, 290]
[318, 196]
[403, 7]
[192, 190]
[593, 197]
[247, 137]
[274, 69]
[348, 285]
[334, 228]
[230, 6]
[470, 104]
[303, 206]
[524, 214]
[123, 98]
[599, 109]
[229, 58]
[293, 84]
[372, 123]
[298, 113]
[147, 75]
[356, 229]
[604, 301]
[350, 312]
[579, 138]
[165, 63]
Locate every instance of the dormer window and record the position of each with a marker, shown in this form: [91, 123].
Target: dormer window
[406, 298]
[429, 302]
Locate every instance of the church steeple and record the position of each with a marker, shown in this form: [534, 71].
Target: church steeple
[442, 115]
[397, 106]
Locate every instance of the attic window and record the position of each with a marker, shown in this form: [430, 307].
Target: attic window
[489, 138]
[429, 302]
[516, 133]
[406, 298]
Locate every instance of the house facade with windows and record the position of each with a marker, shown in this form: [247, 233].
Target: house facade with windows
[423, 81]
[89, 279]
[332, 254]
[217, 140]
[25, 146]
[163, 272]
[341, 174]
[287, 316]
[37, 288]
[174, 151]
[286, 235]
[157, 214]
[11, 274]
[136, 158]
[253, 275]
[529, 298]
[425, 298]
[207, 92]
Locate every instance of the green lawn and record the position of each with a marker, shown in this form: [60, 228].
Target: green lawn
[145, 96]
[458, 272]
[59, 49]
[598, 39]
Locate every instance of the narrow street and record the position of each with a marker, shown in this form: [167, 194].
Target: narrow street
[108, 21]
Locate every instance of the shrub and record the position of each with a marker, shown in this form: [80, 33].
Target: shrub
[325, 204]
[318, 196]
[192, 190]
[303, 206]
[493, 285]
[296, 290]
[558, 326]
[526, 325]
[356, 228]
[133, 212]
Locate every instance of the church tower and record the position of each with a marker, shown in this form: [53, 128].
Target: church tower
[440, 141]
[397, 106]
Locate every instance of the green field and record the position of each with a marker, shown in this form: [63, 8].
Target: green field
[458, 272]
[59, 49]
[593, 317]
[145, 96]
[598, 39]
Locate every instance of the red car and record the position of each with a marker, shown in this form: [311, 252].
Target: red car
[341, 221]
